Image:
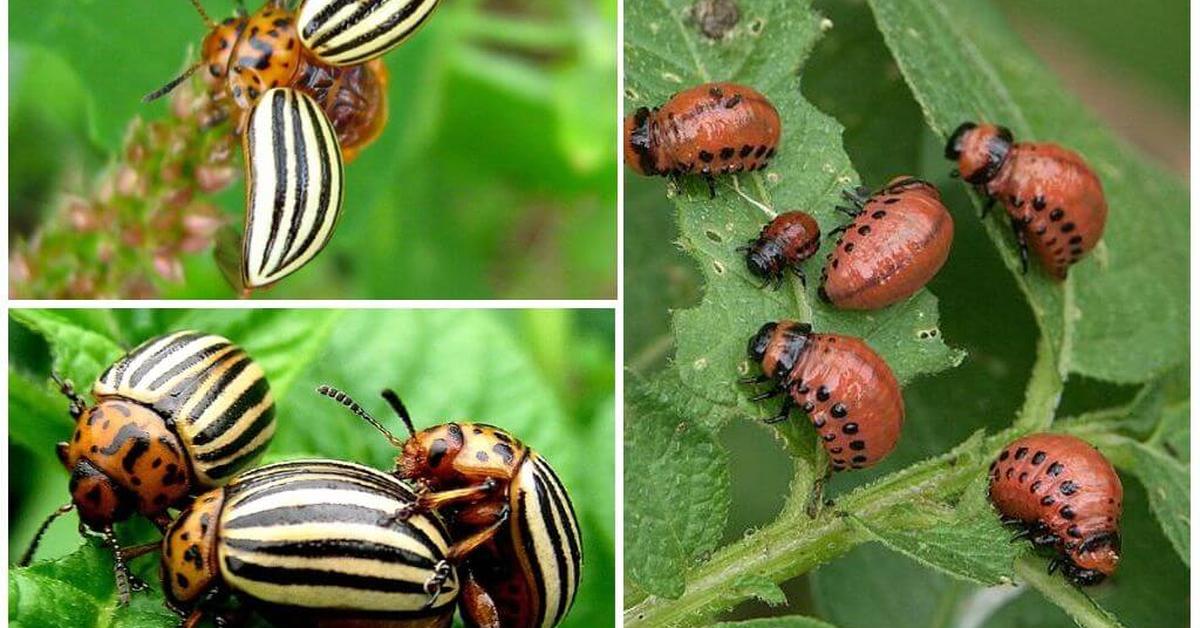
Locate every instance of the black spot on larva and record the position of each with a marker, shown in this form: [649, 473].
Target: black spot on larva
[1067, 513]
[706, 156]
[829, 437]
[762, 150]
[864, 230]
[1057, 214]
[834, 264]
[1041, 230]
[1047, 501]
[835, 450]
[850, 429]
[858, 445]
[892, 200]
[838, 411]
[481, 456]
[746, 150]
[771, 153]
[1008, 473]
[1068, 228]
[1004, 455]
[1074, 532]
[878, 214]
[849, 247]
[808, 406]
[1076, 239]
[822, 393]
[733, 101]
[94, 495]
[1054, 469]
[1038, 457]
[716, 92]
[858, 459]
[1033, 488]
[1021, 451]
[1068, 488]
[1039, 203]
[818, 422]
[727, 152]
[1021, 478]
[181, 580]
[1051, 241]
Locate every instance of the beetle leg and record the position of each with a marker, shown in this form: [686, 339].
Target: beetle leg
[788, 403]
[1053, 566]
[799, 272]
[816, 495]
[468, 545]
[433, 586]
[774, 392]
[858, 197]
[1021, 534]
[27, 557]
[476, 605]
[126, 582]
[1018, 227]
[757, 379]
[427, 501]
[853, 213]
[712, 185]
[838, 230]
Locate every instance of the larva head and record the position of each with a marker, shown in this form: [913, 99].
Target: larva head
[638, 151]
[979, 150]
[777, 346]
[189, 551]
[1094, 559]
[912, 185]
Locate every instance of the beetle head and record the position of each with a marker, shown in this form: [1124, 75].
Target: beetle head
[979, 149]
[638, 153]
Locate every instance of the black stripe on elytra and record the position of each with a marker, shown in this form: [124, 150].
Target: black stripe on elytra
[125, 362]
[333, 548]
[321, 513]
[226, 420]
[370, 37]
[249, 432]
[531, 553]
[301, 154]
[150, 361]
[323, 16]
[327, 159]
[318, 578]
[302, 468]
[392, 24]
[251, 150]
[544, 511]
[196, 358]
[233, 466]
[566, 512]
[279, 148]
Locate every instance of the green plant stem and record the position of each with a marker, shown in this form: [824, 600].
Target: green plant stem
[1068, 597]
[795, 543]
[1042, 392]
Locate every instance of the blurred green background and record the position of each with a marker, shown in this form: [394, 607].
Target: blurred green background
[495, 176]
[1138, 89]
[545, 375]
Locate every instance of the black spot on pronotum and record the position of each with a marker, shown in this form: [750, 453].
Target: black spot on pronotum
[437, 451]
[481, 456]
[504, 451]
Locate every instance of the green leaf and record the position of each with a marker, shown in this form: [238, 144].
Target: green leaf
[664, 53]
[79, 590]
[968, 543]
[776, 622]
[761, 588]
[1121, 313]
[1167, 485]
[80, 354]
[676, 491]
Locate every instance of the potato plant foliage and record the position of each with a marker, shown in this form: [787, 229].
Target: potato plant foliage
[868, 91]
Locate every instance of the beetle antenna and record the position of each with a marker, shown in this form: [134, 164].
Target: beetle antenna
[352, 405]
[398, 406]
[27, 557]
[78, 405]
[208, 21]
[172, 84]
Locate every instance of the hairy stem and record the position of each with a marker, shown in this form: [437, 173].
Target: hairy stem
[1066, 596]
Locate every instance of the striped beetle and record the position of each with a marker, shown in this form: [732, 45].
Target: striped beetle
[516, 534]
[179, 412]
[310, 92]
[311, 542]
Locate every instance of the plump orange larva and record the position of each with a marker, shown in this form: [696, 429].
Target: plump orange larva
[1054, 198]
[899, 239]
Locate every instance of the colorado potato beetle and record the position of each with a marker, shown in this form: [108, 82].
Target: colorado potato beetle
[1064, 495]
[309, 92]
[311, 542]
[899, 239]
[180, 412]
[782, 245]
[710, 129]
[517, 537]
[1053, 198]
[847, 390]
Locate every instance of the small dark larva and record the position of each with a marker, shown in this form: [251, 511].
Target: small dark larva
[180, 412]
[848, 391]
[1053, 197]
[517, 537]
[312, 542]
[783, 244]
[710, 129]
[897, 242]
[1065, 495]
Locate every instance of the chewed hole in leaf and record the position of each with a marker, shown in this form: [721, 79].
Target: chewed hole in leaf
[756, 26]
[632, 95]
[671, 76]
[926, 334]
[718, 267]
[700, 364]
[714, 236]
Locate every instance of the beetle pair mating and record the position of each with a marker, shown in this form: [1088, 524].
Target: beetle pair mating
[1053, 197]
[309, 91]
[187, 411]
